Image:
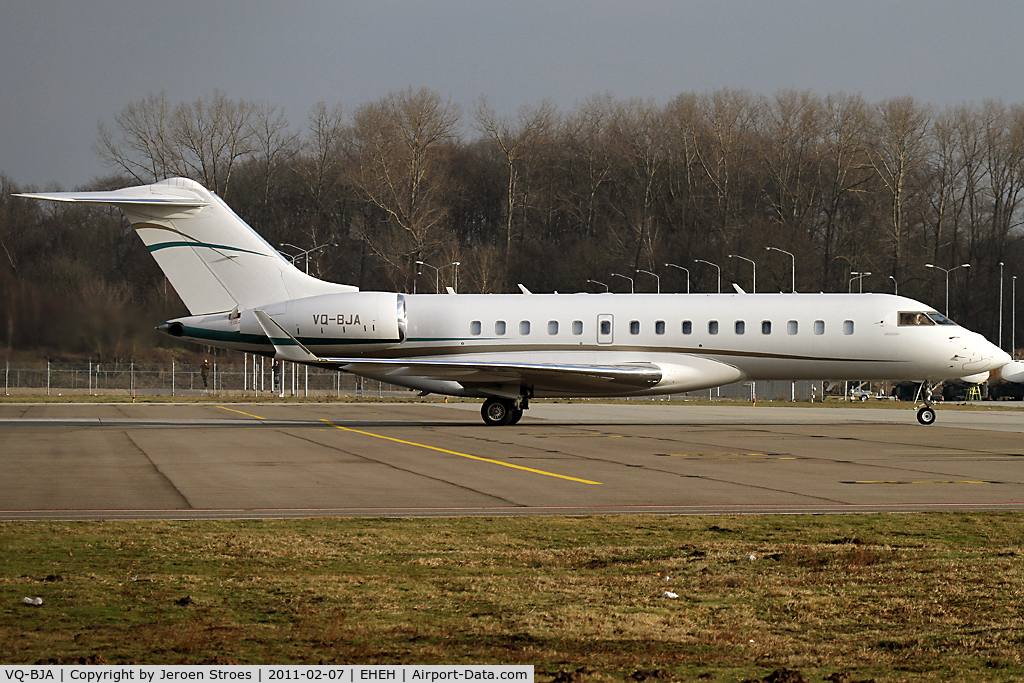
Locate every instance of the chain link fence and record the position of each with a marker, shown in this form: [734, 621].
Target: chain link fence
[256, 377]
[253, 377]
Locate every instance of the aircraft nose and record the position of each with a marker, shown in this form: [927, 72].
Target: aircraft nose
[987, 356]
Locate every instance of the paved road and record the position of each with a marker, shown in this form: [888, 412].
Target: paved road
[119, 461]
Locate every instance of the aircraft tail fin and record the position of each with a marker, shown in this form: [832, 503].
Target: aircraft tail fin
[213, 259]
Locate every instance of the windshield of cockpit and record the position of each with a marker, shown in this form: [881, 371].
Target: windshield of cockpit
[913, 318]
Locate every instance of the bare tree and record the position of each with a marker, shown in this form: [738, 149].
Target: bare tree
[212, 135]
[641, 132]
[586, 138]
[721, 140]
[517, 140]
[846, 175]
[398, 166]
[143, 143]
[793, 128]
[897, 151]
[273, 144]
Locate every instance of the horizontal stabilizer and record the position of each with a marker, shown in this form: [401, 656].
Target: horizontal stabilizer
[138, 196]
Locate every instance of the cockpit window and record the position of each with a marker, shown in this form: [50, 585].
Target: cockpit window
[915, 318]
[939, 318]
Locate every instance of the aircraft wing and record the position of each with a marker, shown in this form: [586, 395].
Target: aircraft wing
[626, 376]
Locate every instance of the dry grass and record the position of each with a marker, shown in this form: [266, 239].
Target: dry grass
[927, 597]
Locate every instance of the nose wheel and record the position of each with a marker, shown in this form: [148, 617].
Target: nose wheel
[926, 414]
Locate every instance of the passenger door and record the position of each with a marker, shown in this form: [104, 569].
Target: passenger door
[605, 328]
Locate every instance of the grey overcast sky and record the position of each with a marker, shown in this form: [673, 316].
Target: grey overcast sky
[67, 64]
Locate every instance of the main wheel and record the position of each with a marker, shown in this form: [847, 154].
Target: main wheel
[926, 415]
[497, 412]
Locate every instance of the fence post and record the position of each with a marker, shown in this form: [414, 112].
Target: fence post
[305, 391]
[172, 377]
[47, 376]
[7, 378]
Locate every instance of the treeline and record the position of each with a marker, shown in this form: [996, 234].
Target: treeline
[547, 198]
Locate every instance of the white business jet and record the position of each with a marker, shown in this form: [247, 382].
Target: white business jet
[510, 348]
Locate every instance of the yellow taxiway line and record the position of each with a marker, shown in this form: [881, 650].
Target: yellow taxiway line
[463, 455]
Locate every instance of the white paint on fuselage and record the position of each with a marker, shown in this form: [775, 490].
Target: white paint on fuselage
[442, 327]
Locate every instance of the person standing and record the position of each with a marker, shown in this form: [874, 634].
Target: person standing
[204, 370]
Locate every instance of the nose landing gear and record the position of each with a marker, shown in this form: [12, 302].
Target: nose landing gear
[926, 414]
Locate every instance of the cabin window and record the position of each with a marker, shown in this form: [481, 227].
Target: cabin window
[606, 328]
[659, 327]
[847, 327]
[524, 327]
[792, 327]
[499, 327]
[552, 327]
[687, 327]
[634, 327]
[766, 327]
[740, 327]
[474, 327]
[819, 327]
[713, 327]
[577, 327]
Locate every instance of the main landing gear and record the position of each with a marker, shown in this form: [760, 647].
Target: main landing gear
[926, 414]
[498, 412]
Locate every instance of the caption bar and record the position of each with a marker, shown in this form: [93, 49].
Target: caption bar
[112, 673]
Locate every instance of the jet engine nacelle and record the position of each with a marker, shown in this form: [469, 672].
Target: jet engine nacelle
[1011, 372]
[373, 317]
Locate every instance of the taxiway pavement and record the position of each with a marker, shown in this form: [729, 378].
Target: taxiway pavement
[190, 461]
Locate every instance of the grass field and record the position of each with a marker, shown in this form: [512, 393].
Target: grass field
[910, 597]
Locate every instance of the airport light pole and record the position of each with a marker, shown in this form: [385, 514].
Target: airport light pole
[599, 283]
[717, 267]
[304, 252]
[1000, 304]
[641, 270]
[627, 278]
[793, 272]
[1013, 316]
[751, 261]
[947, 271]
[895, 286]
[687, 270]
[456, 264]
[857, 276]
[437, 275]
